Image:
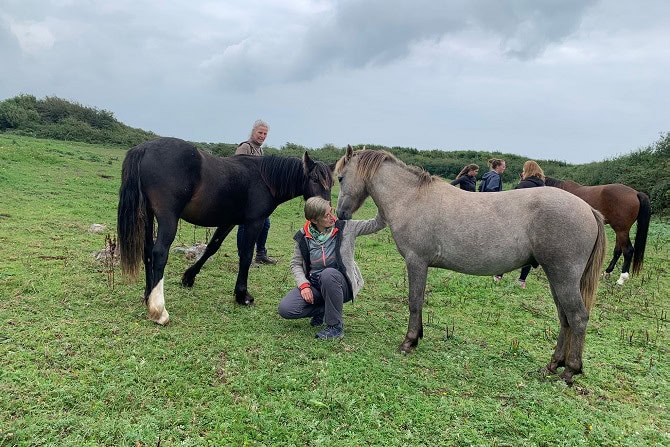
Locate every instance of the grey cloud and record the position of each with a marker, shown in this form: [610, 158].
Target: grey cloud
[357, 34]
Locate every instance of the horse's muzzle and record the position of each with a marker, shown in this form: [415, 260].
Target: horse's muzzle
[344, 215]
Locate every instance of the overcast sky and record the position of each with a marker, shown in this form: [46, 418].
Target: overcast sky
[570, 80]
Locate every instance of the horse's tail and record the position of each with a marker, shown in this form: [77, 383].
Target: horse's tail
[643, 218]
[131, 214]
[591, 277]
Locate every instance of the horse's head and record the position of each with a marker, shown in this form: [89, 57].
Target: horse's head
[352, 185]
[318, 178]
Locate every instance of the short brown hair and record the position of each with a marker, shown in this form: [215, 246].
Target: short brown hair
[316, 207]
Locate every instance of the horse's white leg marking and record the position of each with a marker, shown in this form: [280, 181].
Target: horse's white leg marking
[622, 278]
[156, 305]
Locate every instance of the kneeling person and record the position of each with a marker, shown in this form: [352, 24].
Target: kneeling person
[324, 269]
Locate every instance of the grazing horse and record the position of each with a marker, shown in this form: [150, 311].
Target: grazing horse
[168, 179]
[435, 224]
[621, 206]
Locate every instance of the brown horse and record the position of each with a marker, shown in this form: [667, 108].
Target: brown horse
[621, 206]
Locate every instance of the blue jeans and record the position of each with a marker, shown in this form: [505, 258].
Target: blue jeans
[260, 242]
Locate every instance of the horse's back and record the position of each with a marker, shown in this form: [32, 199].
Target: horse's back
[170, 171]
[489, 233]
[618, 203]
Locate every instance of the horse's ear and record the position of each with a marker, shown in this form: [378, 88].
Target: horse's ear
[349, 152]
[307, 163]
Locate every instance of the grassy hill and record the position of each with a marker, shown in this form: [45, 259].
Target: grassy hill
[64, 120]
[80, 364]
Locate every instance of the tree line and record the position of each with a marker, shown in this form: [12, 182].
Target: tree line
[646, 169]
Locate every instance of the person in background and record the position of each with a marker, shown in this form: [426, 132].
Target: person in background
[492, 180]
[324, 269]
[532, 176]
[253, 146]
[467, 178]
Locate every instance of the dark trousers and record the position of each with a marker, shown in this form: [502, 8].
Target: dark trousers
[329, 297]
[260, 242]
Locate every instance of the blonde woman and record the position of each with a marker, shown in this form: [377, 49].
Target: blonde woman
[532, 176]
[324, 269]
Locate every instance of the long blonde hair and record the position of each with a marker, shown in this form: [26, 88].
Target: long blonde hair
[532, 169]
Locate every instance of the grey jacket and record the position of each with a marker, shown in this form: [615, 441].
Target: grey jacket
[249, 147]
[350, 229]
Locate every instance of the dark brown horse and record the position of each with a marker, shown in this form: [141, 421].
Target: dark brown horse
[621, 206]
[168, 179]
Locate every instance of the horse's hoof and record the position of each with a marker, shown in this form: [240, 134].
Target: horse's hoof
[407, 347]
[187, 281]
[546, 371]
[163, 319]
[550, 369]
[245, 300]
[622, 278]
[567, 377]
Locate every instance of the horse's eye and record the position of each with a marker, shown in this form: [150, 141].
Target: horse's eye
[340, 178]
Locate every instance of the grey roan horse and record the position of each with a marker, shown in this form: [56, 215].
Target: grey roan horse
[437, 225]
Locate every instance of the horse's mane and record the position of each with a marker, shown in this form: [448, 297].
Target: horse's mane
[370, 160]
[550, 181]
[286, 175]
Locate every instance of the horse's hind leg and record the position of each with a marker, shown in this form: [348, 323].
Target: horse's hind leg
[616, 255]
[167, 229]
[574, 319]
[627, 248]
[148, 253]
[417, 272]
[188, 278]
[558, 357]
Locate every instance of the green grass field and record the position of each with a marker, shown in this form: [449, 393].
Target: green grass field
[80, 364]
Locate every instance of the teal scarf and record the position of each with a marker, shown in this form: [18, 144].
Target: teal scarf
[318, 236]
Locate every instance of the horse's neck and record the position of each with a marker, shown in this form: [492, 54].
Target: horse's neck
[570, 186]
[285, 181]
[383, 188]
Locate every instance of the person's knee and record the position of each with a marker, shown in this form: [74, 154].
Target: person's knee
[284, 309]
[331, 275]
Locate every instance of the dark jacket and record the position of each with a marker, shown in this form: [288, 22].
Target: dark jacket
[491, 182]
[347, 231]
[530, 182]
[466, 182]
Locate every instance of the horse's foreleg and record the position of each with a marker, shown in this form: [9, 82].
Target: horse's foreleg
[167, 229]
[188, 278]
[417, 271]
[246, 251]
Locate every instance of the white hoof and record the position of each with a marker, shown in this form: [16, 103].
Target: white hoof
[623, 278]
[162, 320]
[156, 305]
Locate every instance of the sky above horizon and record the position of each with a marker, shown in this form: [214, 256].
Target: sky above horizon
[571, 80]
